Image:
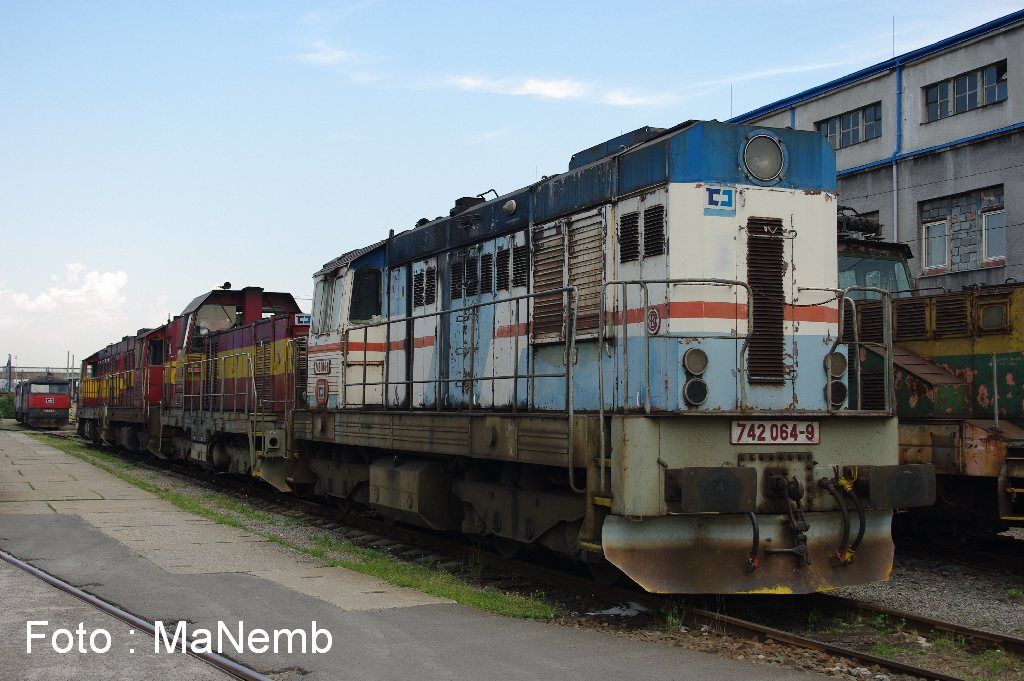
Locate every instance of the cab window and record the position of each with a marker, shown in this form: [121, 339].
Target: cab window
[366, 302]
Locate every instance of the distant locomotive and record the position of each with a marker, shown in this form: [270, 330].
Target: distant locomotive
[43, 402]
[636, 363]
[958, 372]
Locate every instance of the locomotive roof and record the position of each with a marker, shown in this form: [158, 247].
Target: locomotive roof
[48, 379]
[234, 297]
[645, 158]
[347, 258]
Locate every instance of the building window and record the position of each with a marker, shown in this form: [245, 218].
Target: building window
[994, 234]
[936, 244]
[969, 91]
[853, 127]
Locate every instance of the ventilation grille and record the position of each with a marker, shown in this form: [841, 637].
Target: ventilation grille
[911, 320]
[951, 316]
[548, 274]
[629, 237]
[456, 280]
[472, 277]
[487, 273]
[417, 289]
[872, 392]
[765, 269]
[520, 265]
[586, 269]
[654, 231]
[430, 286]
[870, 322]
[503, 259]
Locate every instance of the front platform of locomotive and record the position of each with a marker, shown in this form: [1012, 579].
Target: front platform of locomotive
[734, 461]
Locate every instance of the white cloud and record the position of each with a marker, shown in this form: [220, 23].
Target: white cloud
[557, 88]
[632, 98]
[322, 54]
[84, 312]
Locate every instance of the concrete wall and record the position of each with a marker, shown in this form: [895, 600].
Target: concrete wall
[937, 175]
[918, 134]
[924, 179]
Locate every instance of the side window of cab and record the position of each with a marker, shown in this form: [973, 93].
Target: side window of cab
[366, 295]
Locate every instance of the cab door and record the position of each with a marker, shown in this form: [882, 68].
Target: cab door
[364, 340]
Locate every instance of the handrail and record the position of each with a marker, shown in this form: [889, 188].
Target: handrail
[568, 333]
[220, 362]
[602, 326]
[570, 308]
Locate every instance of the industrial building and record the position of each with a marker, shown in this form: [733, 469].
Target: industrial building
[930, 142]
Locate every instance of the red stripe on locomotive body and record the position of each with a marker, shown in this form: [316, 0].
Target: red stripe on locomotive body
[701, 309]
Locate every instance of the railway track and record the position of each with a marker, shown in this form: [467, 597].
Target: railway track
[453, 554]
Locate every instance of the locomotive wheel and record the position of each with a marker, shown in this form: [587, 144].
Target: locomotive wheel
[507, 548]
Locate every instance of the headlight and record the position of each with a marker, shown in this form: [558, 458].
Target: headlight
[763, 158]
[835, 364]
[695, 361]
[695, 391]
[837, 394]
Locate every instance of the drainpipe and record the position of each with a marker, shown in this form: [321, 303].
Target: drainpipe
[896, 152]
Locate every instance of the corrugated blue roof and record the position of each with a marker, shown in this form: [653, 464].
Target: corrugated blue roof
[882, 67]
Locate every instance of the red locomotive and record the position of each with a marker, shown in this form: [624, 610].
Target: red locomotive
[229, 353]
[43, 402]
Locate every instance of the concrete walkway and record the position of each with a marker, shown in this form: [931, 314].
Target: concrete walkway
[130, 548]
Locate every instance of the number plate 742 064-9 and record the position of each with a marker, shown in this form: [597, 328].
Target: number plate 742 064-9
[774, 433]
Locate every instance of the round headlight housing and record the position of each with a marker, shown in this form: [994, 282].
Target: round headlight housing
[695, 391]
[836, 393]
[695, 361]
[835, 364]
[763, 158]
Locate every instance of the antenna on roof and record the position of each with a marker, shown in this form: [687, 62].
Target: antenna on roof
[730, 100]
[893, 36]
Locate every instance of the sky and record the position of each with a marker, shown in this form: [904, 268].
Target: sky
[152, 151]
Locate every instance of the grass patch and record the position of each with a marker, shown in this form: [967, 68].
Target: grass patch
[333, 552]
[242, 509]
[886, 650]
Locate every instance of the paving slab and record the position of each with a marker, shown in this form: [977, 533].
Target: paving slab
[131, 655]
[164, 564]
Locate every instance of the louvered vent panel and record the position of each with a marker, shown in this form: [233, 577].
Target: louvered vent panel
[520, 265]
[456, 280]
[951, 316]
[654, 231]
[765, 269]
[586, 269]
[629, 237]
[417, 289]
[870, 314]
[472, 277]
[872, 392]
[548, 274]
[849, 325]
[487, 273]
[430, 287]
[911, 321]
[502, 262]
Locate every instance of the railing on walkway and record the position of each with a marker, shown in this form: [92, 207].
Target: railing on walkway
[467, 314]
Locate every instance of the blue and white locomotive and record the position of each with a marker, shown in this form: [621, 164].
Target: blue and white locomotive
[637, 362]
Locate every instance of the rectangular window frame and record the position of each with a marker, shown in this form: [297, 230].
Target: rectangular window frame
[852, 127]
[965, 92]
[992, 259]
[929, 268]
